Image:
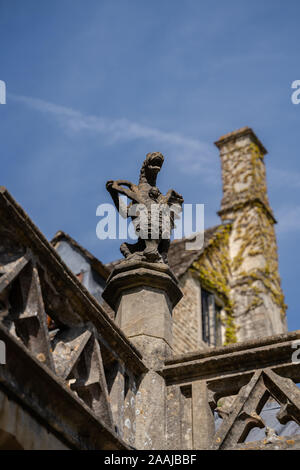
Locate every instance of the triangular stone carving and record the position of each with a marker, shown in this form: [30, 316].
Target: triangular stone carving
[250, 401]
[90, 383]
[11, 270]
[31, 323]
[25, 315]
[67, 347]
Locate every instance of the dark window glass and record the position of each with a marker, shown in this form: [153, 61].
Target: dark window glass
[210, 319]
[205, 316]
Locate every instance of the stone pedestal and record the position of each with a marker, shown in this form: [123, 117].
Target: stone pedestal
[143, 296]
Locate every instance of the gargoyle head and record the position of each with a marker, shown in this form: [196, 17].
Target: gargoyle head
[151, 167]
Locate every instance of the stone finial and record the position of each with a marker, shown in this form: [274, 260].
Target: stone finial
[143, 295]
[152, 213]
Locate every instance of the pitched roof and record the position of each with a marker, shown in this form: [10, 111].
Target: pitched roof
[96, 264]
[180, 259]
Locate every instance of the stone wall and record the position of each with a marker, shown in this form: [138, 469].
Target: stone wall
[187, 316]
[19, 430]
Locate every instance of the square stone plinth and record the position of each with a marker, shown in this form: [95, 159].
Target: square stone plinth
[145, 311]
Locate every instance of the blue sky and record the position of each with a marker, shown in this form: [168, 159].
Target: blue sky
[93, 85]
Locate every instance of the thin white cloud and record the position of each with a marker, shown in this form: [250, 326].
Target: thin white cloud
[289, 220]
[196, 155]
[192, 156]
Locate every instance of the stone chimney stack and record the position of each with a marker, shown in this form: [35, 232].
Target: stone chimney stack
[255, 289]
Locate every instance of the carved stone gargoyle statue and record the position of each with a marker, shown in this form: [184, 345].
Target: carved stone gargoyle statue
[149, 247]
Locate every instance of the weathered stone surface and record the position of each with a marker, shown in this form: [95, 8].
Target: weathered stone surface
[151, 412]
[256, 296]
[239, 261]
[187, 323]
[19, 430]
[131, 274]
[235, 382]
[143, 295]
[49, 400]
[145, 311]
[91, 383]
[203, 418]
[153, 232]
[59, 342]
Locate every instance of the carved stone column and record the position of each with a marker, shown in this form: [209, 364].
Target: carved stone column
[143, 296]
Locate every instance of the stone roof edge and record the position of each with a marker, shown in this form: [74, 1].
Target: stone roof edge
[232, 348]
[96, 314]
[39, 391]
